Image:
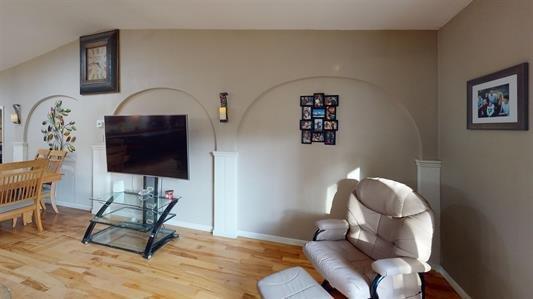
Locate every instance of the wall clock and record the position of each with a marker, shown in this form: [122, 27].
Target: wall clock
[99, 63]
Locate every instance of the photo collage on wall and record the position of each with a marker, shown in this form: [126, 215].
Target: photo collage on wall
[319, 118]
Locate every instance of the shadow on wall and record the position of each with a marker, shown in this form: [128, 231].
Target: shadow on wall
[284, 186]
[471, 245]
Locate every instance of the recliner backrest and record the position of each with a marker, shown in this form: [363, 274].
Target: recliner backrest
[388, 219]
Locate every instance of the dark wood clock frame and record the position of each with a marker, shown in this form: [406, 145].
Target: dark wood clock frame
[110, 84]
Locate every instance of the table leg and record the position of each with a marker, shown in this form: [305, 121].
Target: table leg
[53, 197]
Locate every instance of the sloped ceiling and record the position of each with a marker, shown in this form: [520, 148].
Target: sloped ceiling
[29, 28]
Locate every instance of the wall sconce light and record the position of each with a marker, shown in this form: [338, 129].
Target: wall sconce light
[15, 116]
[223, 110]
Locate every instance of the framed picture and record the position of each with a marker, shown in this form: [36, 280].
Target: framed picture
[331, 100]
[331, 113]
[306, 124]
[307, 113]
[318, 125]
[306, 137]
[99, 63]
[499, 101]
[331, 125]
[318, 99]
[319, 118]
[319, 112]
[318, 137]
[329, 138]
[306, 101]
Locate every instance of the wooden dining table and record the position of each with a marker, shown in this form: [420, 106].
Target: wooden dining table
[52, 178]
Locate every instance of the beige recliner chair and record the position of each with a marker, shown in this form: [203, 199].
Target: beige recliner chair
[381, 249]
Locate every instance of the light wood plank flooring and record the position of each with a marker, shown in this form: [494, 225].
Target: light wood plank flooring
[55, 264]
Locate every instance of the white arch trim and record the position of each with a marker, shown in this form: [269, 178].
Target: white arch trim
[30, 113]
[121, 105]
[399, 105]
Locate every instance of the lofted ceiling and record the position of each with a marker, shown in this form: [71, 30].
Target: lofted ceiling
[29, 28]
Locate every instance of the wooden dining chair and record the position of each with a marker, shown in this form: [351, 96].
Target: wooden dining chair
[42, 153]
[21, 190]
[55, 161]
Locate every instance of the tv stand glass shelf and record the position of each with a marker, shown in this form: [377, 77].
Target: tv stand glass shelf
[129, 221]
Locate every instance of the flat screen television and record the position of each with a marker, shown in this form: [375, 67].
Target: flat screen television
[150, 145]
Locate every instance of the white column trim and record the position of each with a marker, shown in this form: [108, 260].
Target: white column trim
[20, 151]
[429, 163]
[225, 194]
[101, 178]
[428, 185]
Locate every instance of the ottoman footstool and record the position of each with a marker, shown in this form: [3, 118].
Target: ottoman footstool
[294, 283]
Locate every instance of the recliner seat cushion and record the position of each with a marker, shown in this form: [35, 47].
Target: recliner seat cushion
[350, 271]
[346, 268]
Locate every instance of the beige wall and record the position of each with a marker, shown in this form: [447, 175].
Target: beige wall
[486, 175]
[378, 74]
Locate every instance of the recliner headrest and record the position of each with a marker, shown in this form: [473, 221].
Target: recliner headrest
[389, 198]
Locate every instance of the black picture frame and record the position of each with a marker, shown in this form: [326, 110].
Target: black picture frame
[318, 112]
[307, 116]
[335, 124]
[331, 113]
[318, 100]
[109, 39]
[317, 137]
[331, 100]
[306, 101]
[485, 101]
[319, 109]
[307, 137]
[330, 138]
[318, 124]
[303, 127]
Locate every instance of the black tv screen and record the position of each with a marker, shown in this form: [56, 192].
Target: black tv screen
[151, 145]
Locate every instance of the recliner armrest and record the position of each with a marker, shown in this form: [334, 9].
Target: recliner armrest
[331, 230]
[399, 265]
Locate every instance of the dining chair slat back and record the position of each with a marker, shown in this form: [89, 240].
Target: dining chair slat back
[20, 182]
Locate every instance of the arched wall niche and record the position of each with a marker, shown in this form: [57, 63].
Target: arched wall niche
[36, 106]
[293, 184]
[197, 204]
[124, 102]
[67, 188]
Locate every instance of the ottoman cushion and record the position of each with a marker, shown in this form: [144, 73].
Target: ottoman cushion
[291, 283]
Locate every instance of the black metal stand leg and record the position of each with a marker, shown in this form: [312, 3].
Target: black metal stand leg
[150, 245]
[422, 285]
[89, 231]
[374, 286]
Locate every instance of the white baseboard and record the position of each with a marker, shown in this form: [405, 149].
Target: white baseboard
[223, 234]
[271, 238]
[452, 282]
[190, 225]
[73, 205]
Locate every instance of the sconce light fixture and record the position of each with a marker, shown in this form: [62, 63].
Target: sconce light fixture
[223, 110]
[15, 116]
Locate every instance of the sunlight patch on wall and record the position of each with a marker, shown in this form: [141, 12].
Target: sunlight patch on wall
[330, 195]
[355, 174]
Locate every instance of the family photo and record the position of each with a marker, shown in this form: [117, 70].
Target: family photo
[306, 101]
[306, 125]
[493, 102]
[331, 101]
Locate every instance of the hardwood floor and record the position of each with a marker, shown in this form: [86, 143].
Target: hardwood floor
[55, 264]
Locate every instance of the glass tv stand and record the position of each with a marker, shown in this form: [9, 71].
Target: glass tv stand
[132, 222]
